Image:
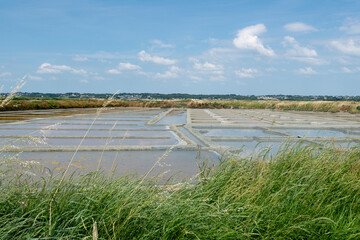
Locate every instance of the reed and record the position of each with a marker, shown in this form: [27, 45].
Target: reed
[314, 106]
[302, 192]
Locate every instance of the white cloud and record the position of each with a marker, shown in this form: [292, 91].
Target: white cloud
[195, 78]
[346, 70]
[296, 50]
[171, 73]
[299, 27]
[271, 69]
[84, 81]
[224, 55]
[247, 39]
[5, 74]
[300, 53]
[307, 71]
[349, 70]
[101, 56]
[208, 68]
[246, 72]
[128, 66]
[213, 41]
[56, 69]
[311, 60]
[160, 44]
[145, 57]
[36, 78]
[350, 46]
[100, 78]
[351, 26]
[114, 71]
[80, 58]
[123, 66]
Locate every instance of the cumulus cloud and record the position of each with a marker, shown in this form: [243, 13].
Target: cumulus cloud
[123, 66]
[307, 71]
[56, 69]
[350, 46]
[171, 73]
[299, 27]
[128, 66]
[351, 26]
[247, 39]
[5, 74]
[299, 53]
[296, 50]
[246, 72]
[208, 68]
[80, 58]
[145, 57]
[114, 71]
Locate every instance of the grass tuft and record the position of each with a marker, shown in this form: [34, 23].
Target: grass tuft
[300, 193]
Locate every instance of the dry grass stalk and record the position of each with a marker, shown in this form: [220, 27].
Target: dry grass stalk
[20, 84]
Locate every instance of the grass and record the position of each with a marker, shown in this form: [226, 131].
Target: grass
[300, 193]
[316, 106]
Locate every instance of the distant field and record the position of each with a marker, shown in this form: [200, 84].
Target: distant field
[319, 106]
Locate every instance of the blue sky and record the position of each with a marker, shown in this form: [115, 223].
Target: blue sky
[208, 47]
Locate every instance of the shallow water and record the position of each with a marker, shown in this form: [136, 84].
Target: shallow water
[175, 117]
[234, 132]
[318, 133]
[132, 127]
[87, 142]
[249, 147]
[190, 136]
[178, 164]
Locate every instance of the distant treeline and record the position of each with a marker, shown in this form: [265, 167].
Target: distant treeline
[136, 96]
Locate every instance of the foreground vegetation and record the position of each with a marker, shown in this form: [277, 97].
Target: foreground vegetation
[320, 106]
[301, 193]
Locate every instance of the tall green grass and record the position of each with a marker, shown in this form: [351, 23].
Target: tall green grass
[301, 193]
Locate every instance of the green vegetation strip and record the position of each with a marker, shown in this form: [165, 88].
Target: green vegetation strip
[301, 193]
[317, 106]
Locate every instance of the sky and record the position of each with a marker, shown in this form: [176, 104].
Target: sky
[245, 47]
